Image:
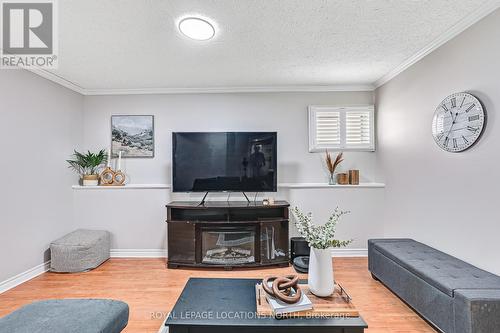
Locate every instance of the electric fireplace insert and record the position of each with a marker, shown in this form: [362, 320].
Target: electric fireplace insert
[227, 234]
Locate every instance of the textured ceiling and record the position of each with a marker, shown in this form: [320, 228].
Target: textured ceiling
[135, 44]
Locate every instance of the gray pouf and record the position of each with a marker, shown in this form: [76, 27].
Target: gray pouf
[80, 251]
[68, 316]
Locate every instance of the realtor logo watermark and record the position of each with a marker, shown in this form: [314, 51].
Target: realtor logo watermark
[29, 34]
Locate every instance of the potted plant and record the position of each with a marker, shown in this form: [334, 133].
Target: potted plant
[332, 165]
[321, 239]
[87, 166]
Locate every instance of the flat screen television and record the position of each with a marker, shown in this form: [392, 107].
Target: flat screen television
[224, 161]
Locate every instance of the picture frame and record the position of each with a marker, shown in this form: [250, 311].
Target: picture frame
[133, 135]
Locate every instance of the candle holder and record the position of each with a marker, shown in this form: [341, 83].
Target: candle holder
[107, 176]
[354, 177]
[343, 179]
[110, 177]
[119, 178]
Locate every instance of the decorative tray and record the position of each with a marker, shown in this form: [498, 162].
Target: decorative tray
[339, 304]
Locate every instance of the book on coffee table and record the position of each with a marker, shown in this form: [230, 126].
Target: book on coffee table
[279, 307]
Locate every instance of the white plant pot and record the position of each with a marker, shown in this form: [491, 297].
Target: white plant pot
[321, 282]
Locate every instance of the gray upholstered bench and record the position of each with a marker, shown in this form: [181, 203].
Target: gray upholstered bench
[453, 295]
[68, 316]
[79, 251]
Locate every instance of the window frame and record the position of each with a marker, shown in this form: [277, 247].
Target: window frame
[343, 110]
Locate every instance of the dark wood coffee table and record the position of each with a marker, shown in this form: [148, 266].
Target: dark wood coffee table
[228, 305]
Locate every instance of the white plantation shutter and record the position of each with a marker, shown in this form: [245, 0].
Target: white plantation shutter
[358, 128]
[341, 128]
[328, 128]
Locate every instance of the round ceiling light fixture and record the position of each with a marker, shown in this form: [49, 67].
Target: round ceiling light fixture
[196, 28]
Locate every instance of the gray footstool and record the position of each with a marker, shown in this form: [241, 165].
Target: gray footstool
[79, 251]
[68, 316]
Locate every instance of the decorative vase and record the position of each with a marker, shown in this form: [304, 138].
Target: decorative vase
[320, 280]
[90, 180]
[332, 180]
[343, 179]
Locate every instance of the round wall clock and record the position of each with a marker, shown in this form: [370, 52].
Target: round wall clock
[458, 122]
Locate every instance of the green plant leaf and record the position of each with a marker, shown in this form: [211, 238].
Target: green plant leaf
[319, 236]
[87, 164]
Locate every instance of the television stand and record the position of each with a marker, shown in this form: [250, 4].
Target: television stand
[227, 234]
[202, 202]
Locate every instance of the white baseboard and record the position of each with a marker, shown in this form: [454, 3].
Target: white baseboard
[138, 253]
[24, 276]
[350, 253]
[159, 253]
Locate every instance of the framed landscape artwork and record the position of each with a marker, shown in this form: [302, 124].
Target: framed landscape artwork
[132, 135]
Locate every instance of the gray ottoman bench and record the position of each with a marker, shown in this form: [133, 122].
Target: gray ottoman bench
[68, 316]
[79, 251]
[453, 295]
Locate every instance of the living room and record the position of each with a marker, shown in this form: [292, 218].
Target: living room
[174, 149]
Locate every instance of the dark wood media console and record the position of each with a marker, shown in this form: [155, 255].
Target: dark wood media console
[227, 234]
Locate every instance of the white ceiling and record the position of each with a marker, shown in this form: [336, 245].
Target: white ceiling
[135, 44]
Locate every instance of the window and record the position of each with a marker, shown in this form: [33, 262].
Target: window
[341, 128]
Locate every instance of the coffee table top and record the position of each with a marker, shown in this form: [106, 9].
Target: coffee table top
[231, 303]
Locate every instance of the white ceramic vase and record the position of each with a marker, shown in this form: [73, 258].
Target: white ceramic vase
[321, 282]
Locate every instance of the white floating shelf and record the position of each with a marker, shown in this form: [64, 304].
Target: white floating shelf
[282, 185]
[323, 185]
[124, 187]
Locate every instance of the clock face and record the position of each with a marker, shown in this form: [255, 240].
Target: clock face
[458, 122]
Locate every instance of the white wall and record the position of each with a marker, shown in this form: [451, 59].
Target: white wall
[443, 199]
[446, 200]
[136, 217]
[285, 113]
[40, 125]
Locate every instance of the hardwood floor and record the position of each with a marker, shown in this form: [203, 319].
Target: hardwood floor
[151, 291]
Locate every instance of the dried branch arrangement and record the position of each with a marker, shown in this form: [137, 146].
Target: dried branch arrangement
[333, 164]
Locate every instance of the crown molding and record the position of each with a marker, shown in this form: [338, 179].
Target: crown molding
[57, 79]
[224, 90]
[486, 9]
[200, 90]
[448, 35]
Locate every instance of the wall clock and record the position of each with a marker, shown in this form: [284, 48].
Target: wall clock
[458, 122]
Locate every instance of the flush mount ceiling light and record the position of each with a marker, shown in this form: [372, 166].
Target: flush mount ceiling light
[196, 28]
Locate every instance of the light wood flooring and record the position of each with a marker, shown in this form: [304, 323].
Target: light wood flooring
[150, 288]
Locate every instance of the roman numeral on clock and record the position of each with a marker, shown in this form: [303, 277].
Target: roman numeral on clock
[470, 107]
[459, 120]
[473, 129]
[453, 102]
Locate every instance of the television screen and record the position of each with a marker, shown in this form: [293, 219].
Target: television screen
[224, 161]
